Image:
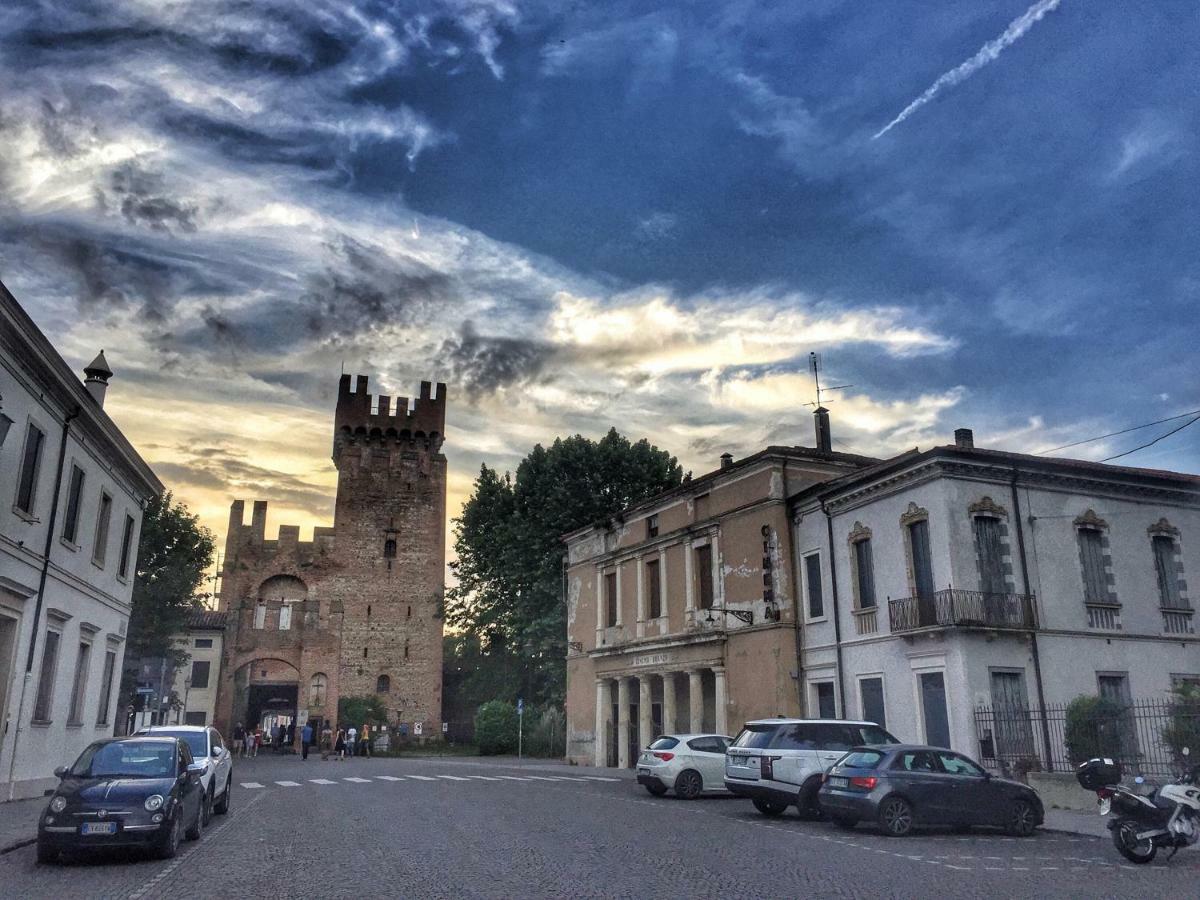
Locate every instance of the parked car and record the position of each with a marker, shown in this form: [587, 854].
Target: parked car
[779, 762]
[900, 787]
[208, 748]
[688, 764]
[132, 791]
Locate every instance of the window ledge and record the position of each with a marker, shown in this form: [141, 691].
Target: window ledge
[864, 610]
[816, 621]
[1101, 604]
[74, 724]
[74, 548]
[27, 517]
[41, 723]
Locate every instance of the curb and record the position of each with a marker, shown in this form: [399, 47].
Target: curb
[17, 845]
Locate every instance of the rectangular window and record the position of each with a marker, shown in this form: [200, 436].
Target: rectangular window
[1091, 554]
[864, 570]
[106, 682]
[45, 693]
[1166, 570]
[100, 551]
[71, 518]
[813, 587]
[704, 575]
[610, 599]
[203, 643]
[652, 526]
[922, 563]
[1010, 707]
[989, 551]
[79, 685]
[195, 718]
[1114, 686]
[31, 465]
[653, 589]
[285, 617]
[260, 616]
[126, 546]
[200, 674]
[826, 704]
[872, 701]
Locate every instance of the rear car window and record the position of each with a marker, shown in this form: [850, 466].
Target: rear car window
[871, 734]
[664, 743]
[861, 759]
[802, 736]
[707, 744]
[755, 736]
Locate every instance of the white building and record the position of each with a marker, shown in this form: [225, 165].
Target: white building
[939, 581]
[196, 680]
[71, 495]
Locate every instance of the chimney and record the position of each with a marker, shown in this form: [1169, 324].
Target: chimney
[824, 438]
[96, 381]
[726, 460]
[964, 439]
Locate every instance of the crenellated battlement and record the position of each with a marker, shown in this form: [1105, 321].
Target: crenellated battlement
[288, 538]
[361, 415]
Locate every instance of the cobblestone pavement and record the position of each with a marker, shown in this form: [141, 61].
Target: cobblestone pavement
[437, 828]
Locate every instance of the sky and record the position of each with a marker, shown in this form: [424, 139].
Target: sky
[581, 216]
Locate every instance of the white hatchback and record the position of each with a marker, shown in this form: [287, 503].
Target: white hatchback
[688, 764]
[208, 748]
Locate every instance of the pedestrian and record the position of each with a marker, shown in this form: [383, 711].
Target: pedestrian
[305, 739]
[258, 739]
[326, 740]
[239, 740]
[339, 744]
[365, 740]
[274, 732]
[351, 738]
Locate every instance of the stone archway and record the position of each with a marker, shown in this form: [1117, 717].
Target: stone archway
[265, 689]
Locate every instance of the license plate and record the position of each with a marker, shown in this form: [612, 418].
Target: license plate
[737, 760]
[838, 781]
[643, 771]
[99, 828]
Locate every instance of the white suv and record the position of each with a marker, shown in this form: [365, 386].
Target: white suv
[209, 749]
[779, 762]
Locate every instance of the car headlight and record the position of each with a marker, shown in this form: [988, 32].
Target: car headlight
[153, 802]
[58, 804]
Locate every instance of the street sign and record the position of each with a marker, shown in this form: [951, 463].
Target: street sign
[445, 727]
[520, 707]
[417, 728]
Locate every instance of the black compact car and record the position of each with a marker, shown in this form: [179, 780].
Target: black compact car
[902, 786]
[134, 791]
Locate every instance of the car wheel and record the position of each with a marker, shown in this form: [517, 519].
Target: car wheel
[688, 785]
[46, 854]
[896, 817]
[808, 804]
[770, 807]
[1022, 821]
[656, 790]
[222, 805]
[206, 808]
[168, 842]
[193, 833]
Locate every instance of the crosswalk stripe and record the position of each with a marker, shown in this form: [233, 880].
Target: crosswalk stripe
[288, 783]
[541, 778]
[321, 781]
[389, 778]
[452, 778]
[251, 784]
[511, 778]
[358, 780]
[483, 777]
[567, 778]
[599, 778]
[422, 777]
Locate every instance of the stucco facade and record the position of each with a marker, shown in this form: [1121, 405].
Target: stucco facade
[73, 490]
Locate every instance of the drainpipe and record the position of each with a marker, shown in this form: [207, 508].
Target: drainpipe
[837, 626]
[1033, 638]
[37, 609]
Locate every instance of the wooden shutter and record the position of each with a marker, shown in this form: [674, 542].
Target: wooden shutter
[1164, 567]
[866, 575]
[1091, 553]
[922, 564]
[991, 555]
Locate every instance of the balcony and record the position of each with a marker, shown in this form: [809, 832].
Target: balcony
[963, 609]
[1177, 620]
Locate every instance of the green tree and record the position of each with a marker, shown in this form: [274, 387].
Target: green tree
[1183, 730]
[174, 552]
[1095, 727]
[496, 728]
[359, 711]
[509, 593]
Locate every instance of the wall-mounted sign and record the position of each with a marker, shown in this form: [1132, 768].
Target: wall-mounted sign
[652, 659]
[417, 727]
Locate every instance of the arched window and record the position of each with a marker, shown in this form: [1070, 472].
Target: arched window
[383, 684]
[316, 690]
[389, 548]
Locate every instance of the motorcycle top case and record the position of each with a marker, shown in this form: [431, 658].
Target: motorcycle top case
[1098, 773]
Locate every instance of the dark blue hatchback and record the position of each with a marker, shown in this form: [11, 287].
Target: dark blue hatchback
[901, 786]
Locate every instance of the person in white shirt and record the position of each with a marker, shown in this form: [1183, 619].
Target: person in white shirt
[351, 737]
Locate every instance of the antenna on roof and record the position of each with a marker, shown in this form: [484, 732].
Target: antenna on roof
[814, 366]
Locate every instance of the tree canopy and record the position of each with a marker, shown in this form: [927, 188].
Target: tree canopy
[510, 572]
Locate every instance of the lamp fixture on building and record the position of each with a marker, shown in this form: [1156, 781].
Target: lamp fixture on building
[577, 646]
[743, 615]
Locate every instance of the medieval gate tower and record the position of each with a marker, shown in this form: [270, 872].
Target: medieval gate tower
[357, 610]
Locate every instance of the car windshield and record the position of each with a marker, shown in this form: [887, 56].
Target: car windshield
[871, 734]
[197, 741]
[127, 759]
[664, 743]
[861, 759]
[757, 736]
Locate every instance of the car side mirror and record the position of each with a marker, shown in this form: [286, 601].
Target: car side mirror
[216, 751]
[61, 772]
[196, 769]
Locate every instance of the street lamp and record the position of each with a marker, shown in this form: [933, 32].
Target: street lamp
[187, 686]
[742, 615]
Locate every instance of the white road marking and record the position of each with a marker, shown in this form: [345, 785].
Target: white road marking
[483, 777]
[389, 778]
[540, 778]
[321, 781]
[512, 778]
[452, 778]
[251, 784]
[358, 780]
[599, 778]
[288, 783]
[422, 777]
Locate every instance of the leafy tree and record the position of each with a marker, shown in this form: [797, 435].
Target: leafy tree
[174, 552]
[358, 711]
[496, 728]
[1095, 727]
[509, 593]
[1183, 730]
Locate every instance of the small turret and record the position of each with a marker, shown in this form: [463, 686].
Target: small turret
[356, 420]
[96, 378]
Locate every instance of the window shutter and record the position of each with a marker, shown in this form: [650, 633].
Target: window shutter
[991, 565]
[866, 574]
[922, 564]
[1091, 552]
[1164, 567]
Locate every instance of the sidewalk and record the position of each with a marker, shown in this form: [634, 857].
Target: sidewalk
[1091, 824]
[18, 822]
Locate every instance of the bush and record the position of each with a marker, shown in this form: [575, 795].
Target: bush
[496, 728]
[1095, 727]
[1184, 727]
[359, 711]
[546, 733]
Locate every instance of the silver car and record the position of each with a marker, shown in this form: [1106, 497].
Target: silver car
[688, 764]
[208, 748]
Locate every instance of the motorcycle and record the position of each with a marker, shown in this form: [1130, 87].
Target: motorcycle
[1169, 817]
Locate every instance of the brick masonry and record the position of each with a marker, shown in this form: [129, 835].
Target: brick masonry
[364, 597]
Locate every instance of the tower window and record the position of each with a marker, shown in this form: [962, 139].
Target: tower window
[368, 610]
[389, 548]
[383, 684]
[364, 652]
[406, 649]
[409, 613]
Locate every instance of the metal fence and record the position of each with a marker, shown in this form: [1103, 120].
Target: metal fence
[1145, 736]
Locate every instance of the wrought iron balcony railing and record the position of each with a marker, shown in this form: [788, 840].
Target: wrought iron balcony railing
[963, 609]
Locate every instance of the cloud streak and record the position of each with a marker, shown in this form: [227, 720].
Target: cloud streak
[987, 53]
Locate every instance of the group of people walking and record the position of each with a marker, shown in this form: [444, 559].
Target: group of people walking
[248, 741]
[345, 741]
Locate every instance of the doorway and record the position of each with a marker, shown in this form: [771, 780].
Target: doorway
[933, 707]
[8, 647]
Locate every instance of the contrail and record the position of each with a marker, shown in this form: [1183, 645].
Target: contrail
[988, 52]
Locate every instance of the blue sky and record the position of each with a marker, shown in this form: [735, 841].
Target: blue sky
[624, 214]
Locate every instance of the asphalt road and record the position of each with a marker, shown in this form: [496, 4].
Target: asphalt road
[476, 828]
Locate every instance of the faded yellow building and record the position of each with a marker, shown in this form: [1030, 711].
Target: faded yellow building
[682, 612]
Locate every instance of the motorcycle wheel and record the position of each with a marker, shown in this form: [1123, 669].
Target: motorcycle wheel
[1125, 839]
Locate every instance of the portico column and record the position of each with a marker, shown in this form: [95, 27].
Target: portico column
[668, 708]
[603, 711]
[645, 719]
[623, 723]
[722, 718]
[695, 701]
